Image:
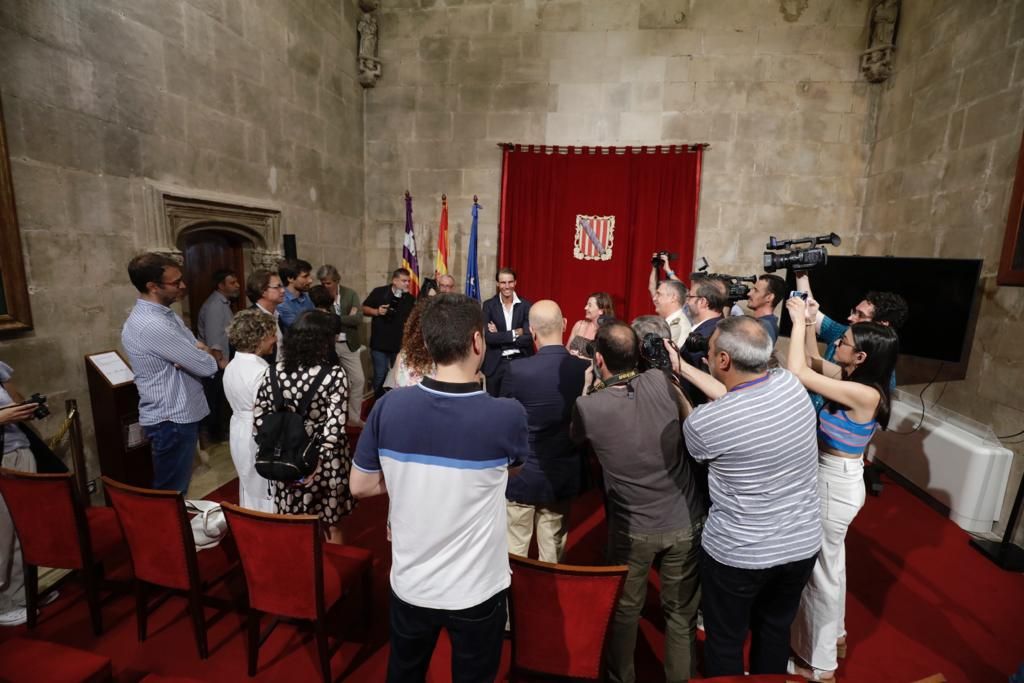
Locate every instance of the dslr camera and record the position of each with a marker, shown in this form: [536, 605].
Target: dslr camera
[41, 410]
[653, 353]
[797, 258]
[656, 259]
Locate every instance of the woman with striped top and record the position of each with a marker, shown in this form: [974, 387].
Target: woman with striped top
[856, 392]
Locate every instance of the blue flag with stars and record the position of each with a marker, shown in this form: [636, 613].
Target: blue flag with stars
[472, 276]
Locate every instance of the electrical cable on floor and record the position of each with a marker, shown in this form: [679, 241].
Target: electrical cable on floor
[1010, 436]
[921, 397]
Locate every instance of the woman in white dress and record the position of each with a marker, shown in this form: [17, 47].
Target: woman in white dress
[252, 333]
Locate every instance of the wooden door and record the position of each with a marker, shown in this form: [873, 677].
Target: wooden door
[207, 251]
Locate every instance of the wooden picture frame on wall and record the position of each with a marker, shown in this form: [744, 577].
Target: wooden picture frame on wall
[15, 311]
[1011, 264]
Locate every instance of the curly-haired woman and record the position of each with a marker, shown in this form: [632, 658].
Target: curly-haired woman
[253, 333]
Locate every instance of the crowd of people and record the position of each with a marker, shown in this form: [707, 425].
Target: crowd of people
[733, 475]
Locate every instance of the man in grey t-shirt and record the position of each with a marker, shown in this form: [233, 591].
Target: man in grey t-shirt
[764, 528]
[655, 510]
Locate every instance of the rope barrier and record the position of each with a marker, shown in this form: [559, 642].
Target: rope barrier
[57, 438]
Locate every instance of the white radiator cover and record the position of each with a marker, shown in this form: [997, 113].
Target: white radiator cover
[953, 459]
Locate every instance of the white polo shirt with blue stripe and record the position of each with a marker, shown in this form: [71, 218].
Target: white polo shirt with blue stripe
[445, 450]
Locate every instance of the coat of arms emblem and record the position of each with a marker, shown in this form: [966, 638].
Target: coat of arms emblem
[595, 236]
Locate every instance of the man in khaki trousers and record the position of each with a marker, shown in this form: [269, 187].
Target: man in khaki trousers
[547, 384]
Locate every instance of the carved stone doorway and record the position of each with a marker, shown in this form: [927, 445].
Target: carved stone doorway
[207, 249]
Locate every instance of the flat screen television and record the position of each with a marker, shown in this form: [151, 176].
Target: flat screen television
[943, 296]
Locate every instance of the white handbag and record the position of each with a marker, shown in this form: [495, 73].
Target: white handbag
[208, 524]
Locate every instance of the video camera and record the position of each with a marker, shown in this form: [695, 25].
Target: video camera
[735, 288]
[798, 259]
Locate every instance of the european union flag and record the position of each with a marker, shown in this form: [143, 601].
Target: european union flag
[472, 276]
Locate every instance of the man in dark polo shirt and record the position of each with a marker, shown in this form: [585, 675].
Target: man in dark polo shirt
[442, 450]
[389, 306]
[655, 509]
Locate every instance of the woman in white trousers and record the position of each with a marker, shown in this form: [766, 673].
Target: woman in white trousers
[856, 393]
[252, 333]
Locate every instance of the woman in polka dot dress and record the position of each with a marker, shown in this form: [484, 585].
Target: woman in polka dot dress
[324, 493]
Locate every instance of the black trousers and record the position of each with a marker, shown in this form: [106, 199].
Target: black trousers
[476, 634]
[215, 425]
[763, 601]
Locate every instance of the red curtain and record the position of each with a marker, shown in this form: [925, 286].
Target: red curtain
[652, 192]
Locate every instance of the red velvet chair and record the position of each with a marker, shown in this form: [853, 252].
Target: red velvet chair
[29, 661]
[560, 616]
[291, 572]
[164, 554]
[57, 530]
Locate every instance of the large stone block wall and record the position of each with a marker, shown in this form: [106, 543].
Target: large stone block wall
[940, 176]
[254, 99]
[772, 86]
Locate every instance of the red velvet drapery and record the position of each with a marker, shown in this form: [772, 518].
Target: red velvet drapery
[651, 191]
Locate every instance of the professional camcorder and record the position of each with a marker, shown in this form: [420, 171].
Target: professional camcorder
[736, 289]
[798, 259]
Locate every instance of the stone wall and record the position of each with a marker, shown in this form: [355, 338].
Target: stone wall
[773, 86]
[940, 175]
[254, 99]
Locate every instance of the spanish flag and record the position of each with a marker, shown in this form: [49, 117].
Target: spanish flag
[441, 263]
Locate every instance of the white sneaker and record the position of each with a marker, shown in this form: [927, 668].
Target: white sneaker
[15, 617]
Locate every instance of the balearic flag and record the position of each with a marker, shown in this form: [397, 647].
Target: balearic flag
[472, 279]
[441, 263]
[409, 261]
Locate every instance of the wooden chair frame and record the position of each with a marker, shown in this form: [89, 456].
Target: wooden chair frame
[92, 571]
[562, 569]
[255, 638]
[197, 598]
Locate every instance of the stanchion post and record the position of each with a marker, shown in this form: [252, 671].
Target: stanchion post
[77, 448]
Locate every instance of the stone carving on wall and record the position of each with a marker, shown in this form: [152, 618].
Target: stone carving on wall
[171, 211]
[369, 63]
[876, 61]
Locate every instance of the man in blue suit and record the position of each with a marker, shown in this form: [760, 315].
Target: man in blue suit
[547, 385]
[507, 331]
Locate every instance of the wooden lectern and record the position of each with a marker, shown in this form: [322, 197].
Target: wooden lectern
[123, 448]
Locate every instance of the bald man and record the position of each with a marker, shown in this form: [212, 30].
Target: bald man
[547, 385]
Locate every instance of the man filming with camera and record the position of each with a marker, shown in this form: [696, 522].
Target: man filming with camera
[655, 509]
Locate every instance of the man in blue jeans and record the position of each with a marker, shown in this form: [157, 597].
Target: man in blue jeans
[169, 366]
[388, 307]
[655, 508]
[442, 451]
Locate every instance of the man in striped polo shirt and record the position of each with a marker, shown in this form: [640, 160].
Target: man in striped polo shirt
[442, 450]
[763, 531]
[169, 366]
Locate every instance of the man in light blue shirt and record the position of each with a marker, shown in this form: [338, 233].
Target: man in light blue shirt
[169, 366]
[296, 277]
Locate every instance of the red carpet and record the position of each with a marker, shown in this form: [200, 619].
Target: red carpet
[921, 602]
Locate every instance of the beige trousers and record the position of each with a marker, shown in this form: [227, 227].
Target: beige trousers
[552, 521]
[352, 362]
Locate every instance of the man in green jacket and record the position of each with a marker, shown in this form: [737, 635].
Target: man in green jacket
[349, 342]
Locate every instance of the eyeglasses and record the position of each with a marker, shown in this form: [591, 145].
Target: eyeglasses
[859, 315]
[174, 283]
[275, 286]
[842, 342]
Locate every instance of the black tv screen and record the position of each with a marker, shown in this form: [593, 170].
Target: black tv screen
[942, 294]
